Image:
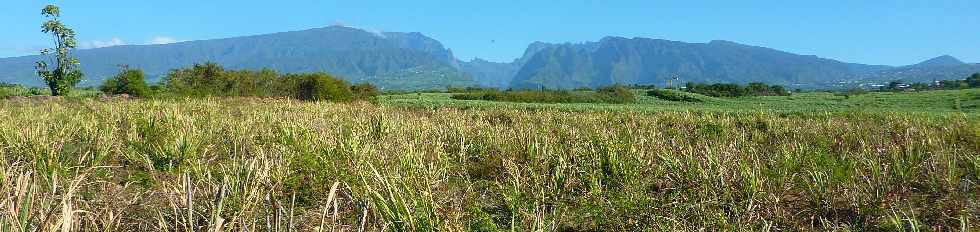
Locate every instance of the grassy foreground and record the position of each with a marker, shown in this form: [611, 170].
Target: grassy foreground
[276, 165]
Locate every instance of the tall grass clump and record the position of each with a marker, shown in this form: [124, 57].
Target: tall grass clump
[246, 164]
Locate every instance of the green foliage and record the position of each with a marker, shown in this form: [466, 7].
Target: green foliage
[35, 91]
[210, 79]
[319, 87]
[672, 95]
[128, 81]
[364, 91]
[66, 73]
[466, 89]
[616, 94]
[974, 80]
[735, 90]
[206, 79]
[612, 94]
[7, 90]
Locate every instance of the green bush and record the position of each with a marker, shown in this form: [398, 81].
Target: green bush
[199, 80]
[129, 81]
[613, 94]
[320, 87]
[670, 95]
[735, 90]
[210, 79]
[616, 94]
[364, 91]
[12, 90]
[35, 91]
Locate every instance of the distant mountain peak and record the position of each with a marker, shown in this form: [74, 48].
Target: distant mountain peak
[941, 61]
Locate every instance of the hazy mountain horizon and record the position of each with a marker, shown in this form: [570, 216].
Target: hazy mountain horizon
[416, 61]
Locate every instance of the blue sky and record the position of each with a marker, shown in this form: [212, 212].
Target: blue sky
[869, 31]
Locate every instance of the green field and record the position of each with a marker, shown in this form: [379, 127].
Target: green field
[930, 102]
[425, 162]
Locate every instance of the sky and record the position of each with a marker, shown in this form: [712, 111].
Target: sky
[894, 32]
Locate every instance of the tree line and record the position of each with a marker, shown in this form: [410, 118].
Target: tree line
[616, 94]
[973, 81]
[736, 90]
[212, 80]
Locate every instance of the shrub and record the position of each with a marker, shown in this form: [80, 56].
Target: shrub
[616, 94]
[11, 90]
[613, 94]
[670, 95]
[364, 91]
[320, 87]
[198, 80]
[261, 83]
[129, 81]
[210, 79]
[35, 91]
[735, 90]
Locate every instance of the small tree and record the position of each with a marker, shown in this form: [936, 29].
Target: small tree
[66, 73]
[129, 81]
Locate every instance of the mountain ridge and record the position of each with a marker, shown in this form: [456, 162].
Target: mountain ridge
[620, 60]
[350, 53]
[414, 60]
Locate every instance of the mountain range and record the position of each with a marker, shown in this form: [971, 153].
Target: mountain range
[413, 61]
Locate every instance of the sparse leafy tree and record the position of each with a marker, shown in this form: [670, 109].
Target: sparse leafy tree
[66, 73]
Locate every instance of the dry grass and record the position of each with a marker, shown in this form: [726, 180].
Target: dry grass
[278, 165]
